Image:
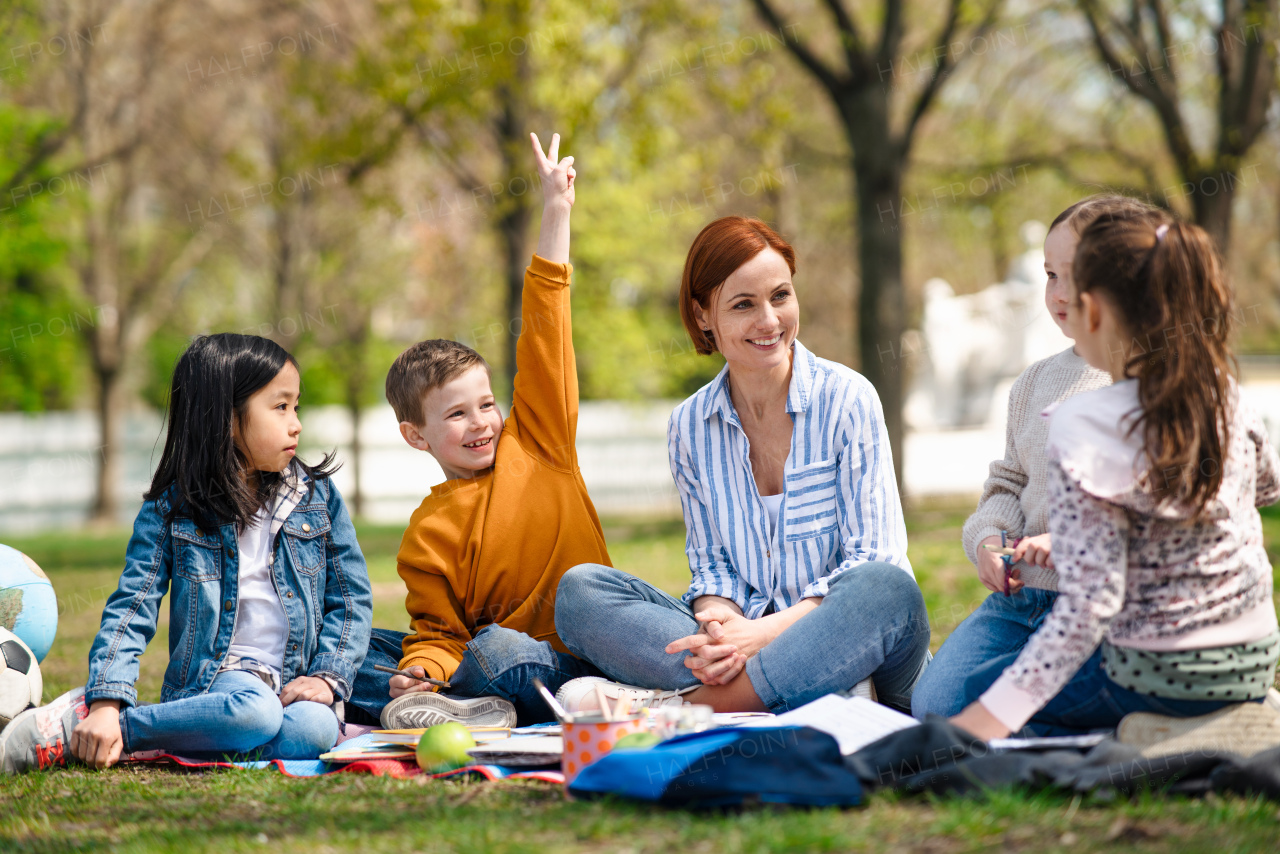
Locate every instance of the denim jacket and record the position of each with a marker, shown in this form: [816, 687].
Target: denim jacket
[319, 573]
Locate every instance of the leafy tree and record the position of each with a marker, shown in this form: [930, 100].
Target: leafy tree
[880, 117]
[1158, 50]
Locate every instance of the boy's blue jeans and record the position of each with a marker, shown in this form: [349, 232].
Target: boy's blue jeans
[981, 647]
[239, 715]
[499, 662]
[871, 623]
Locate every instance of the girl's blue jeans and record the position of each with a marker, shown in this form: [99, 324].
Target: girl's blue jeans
[238, 716]
[871, 623]
[981, 647]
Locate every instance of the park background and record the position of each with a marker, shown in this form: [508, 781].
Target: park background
[350, 177]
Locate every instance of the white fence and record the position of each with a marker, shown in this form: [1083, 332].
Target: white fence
[47, 461]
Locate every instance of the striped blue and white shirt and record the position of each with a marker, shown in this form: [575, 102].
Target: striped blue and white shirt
[840, 506]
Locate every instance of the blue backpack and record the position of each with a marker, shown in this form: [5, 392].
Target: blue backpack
[727, 767]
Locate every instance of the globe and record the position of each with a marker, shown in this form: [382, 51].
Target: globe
[28, 606]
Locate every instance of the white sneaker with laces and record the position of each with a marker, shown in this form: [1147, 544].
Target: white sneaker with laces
[40, 738]
[579, 695]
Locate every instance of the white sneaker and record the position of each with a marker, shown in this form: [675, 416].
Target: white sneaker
[40, 738]
[421, 709]
[1273, 699]
[579, 695]
[865, 689]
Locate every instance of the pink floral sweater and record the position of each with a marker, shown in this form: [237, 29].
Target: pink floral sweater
[1135, 573]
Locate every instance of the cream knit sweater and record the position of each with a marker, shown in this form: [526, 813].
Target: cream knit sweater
[1015, 497]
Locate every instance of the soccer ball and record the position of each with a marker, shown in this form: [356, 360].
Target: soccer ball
[20, 682]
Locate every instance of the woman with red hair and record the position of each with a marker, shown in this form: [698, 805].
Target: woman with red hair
[796, 542]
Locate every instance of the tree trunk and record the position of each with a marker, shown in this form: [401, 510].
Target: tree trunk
[283, 298]
[877, 194]
[511, 129]
[356, 496]
[1211, 202]
[881, 307]
[513, 228]
[109, 396]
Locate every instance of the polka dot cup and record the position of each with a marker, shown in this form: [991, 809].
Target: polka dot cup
[588, 740]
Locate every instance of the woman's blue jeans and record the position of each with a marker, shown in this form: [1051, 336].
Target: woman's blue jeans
[872, 623]
[239, 716]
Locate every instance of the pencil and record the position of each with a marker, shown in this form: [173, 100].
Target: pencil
[426, 679]
[997, 549]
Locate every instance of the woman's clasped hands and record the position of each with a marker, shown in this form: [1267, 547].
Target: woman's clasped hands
[720, 650]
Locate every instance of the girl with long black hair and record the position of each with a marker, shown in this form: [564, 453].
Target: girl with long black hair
[270, 608]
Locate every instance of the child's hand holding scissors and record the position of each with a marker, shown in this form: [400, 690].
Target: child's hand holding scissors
[1008, 580]
[993, 570]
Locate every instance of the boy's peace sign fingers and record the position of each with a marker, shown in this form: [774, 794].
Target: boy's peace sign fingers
[557, 175]
[539, 158]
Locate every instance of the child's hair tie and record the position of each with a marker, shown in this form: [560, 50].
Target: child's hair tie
[1161, 231]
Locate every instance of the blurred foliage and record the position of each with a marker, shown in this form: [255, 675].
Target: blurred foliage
[676, 113]
[41, 363]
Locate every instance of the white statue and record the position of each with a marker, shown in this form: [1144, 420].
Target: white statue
[968, 344]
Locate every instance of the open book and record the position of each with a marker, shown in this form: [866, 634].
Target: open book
[854, 722]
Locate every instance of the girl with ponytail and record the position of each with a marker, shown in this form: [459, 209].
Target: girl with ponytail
[1165, 602]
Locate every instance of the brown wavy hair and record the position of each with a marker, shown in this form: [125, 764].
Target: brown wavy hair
[1170, 288]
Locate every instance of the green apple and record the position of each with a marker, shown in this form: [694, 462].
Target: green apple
[444, 747]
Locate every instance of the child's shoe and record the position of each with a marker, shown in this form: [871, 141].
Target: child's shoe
[41, 737]
[423, 709]
[865, 689]
[579, 695]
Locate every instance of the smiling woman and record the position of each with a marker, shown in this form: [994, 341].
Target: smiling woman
[796, 543]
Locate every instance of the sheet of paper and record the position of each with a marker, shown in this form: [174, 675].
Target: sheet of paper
[854, 722]
[1054, 742]
[736, 718]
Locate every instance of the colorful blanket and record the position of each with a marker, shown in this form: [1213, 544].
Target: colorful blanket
[355, 737]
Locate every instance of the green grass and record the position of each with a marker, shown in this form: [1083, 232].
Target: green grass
[149, 809]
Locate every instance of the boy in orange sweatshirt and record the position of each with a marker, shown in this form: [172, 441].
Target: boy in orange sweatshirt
[484, 552]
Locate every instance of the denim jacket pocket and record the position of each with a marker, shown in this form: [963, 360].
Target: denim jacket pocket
[198, 553]
[305, 532]
[810, 501]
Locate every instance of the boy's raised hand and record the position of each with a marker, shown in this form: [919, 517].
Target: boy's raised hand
[557, 200]
[557, 175]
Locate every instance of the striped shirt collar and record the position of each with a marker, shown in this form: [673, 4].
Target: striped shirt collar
[292, 489]
[799, 392]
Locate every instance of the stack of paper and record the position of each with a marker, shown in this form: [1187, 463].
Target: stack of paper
[526, 750]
